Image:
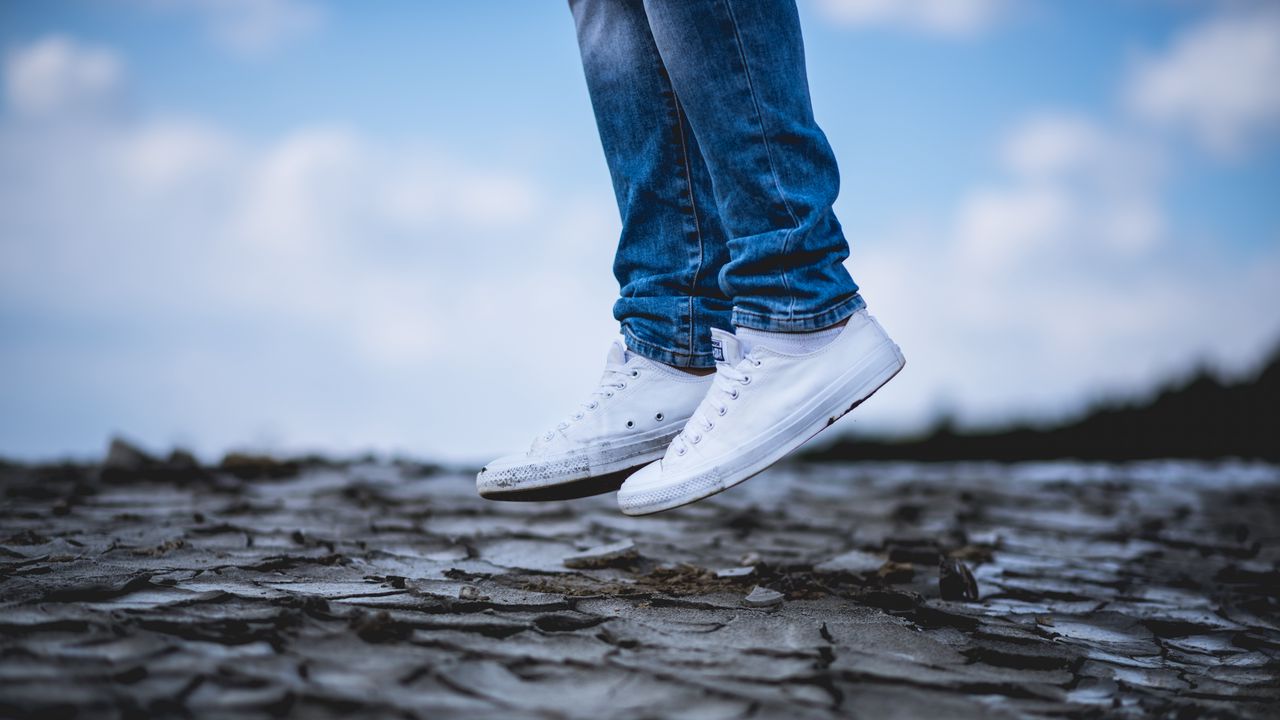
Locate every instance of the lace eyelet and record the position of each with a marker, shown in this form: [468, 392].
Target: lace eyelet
[635, 373]
[680, 451]
[746, 380]
[709, 427]
[722, 411]
[734, 394]
[757, 363]
[577, 416]
[609, 394]
[695, 439]
[594, 404]
[630, 424]
[659, 417]
[622, 386]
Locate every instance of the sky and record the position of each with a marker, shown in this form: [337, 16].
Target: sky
[299, 225]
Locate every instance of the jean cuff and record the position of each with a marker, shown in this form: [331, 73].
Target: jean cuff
[668, 356]
[802, 323]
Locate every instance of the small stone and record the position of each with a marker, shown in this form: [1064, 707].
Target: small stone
[247, 466]
[974, 553]
[987, 538]
[854, 562]
[1242, 533]
[762, 597]
[471, 593]
[181, 459]
[124, 459]
[619, 553]
[923, 554]
[955, 581]
[893, 572]
[380, 628]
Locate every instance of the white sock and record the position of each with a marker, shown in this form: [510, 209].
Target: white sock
[789, 343]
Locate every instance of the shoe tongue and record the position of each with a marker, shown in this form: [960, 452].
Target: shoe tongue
[618, 353]
[726, 347]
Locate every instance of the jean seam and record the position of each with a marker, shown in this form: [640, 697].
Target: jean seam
[693, 205]
[768, 151]
[795, 317]
[856, 303]
[668, 354]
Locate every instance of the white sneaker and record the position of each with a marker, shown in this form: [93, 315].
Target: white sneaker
[628, 422]
[762, 406]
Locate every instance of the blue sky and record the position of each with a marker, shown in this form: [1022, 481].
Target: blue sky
[296, 225]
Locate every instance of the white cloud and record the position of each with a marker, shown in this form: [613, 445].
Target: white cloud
[941, 17]
[1217, 81]
[998, 227]
[325, 289]
[334, 290]
[1040, 340]
[57, 75]
[169, 154]
[252, 28]
[1061, 281]
[1074, 190]
[1055, 144]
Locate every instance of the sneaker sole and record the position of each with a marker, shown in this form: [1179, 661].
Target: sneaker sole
[578, 475]
[569, 490]
[859, 383]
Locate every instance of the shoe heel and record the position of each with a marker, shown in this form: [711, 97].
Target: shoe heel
[887, 362]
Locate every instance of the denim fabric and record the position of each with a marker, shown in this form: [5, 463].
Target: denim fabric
[723, 179]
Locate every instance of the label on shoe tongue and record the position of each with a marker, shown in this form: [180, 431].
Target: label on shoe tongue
[725, 347]
[717, 349]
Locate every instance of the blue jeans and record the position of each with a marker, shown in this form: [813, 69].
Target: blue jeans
[723, 179]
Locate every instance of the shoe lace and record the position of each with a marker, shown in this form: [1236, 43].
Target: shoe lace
[725, 388]
[613, 379]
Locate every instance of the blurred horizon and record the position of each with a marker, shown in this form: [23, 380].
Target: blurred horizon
[299, 226]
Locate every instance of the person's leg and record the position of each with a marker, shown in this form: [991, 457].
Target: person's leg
[669, 255]
[673, 244]
[738, 67]
[805, 351]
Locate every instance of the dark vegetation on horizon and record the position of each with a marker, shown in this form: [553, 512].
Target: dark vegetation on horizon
[1200, 418]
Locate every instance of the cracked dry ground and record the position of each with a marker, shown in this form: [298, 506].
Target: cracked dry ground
[386, 590]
